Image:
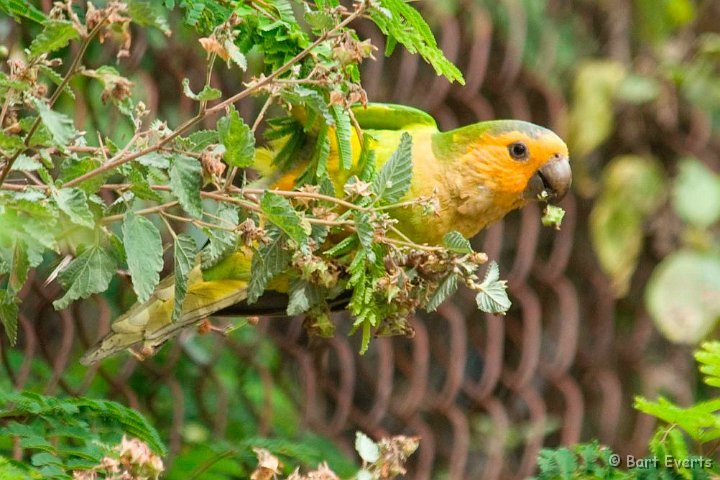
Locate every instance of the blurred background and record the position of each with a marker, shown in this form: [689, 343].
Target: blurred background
[598, 307]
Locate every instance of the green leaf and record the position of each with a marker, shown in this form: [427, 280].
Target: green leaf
[11, 143]
[315, 103]
[699, 420]
[365, 233]
[319, 20]
[553, 216]
[74, 203]
[56, 34]
[446, 288]
[18, 265]
[366, 448]
[20, 8]
[185, 249]
[393, 180]
[280, 212]
[235, 55]
[709, 358]
[222, 242]
[24, 163]
[493, 297]
[681, 295]
[455, 242]
[343, 132]
[143, 246]
[185, 179]
[269, 260]
[207, 93]
[302, 296]
[60, 126]
[696, 194]
[89, 273]
[148, 13]
[155, 159]
[238, 140]
[9, 315]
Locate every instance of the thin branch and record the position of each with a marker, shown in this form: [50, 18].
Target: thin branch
[145, 211]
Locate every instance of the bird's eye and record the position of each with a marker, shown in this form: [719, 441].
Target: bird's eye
[518, 150]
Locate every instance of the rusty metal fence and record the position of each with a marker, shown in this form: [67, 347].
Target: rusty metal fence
[485, 393]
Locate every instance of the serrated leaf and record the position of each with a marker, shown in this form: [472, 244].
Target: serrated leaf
[342, 247]
[60, 126]
[393, 179]
[185, 249]
[319, 20]
[280, 213]
[24, 163]
[446, 288]
[10, 142]
[269, 260]
[89, 273]
[72, 168]
[140, 185]
[302, 296]
[235, 55]
[315, 103]
[493, 297]
[147, 13]
[18, 266]
[238, 140]
[455, 242]
[144, 250]
[222, 242]
[56, 34]
[155, 159]
[198, 141]
[343, 133]
[20, 8]
[206, 94]
[365, 233]
[366, 448]
[74, 203]
[185, 180]
[9, 315]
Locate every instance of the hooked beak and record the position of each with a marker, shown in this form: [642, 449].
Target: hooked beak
[551, 181]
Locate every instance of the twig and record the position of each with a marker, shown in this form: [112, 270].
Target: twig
[145, 211]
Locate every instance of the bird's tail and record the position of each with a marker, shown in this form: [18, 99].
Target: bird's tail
[149, 324]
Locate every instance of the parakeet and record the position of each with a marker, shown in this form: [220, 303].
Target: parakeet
[478, 173]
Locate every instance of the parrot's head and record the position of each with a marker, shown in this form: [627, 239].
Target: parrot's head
[501, 165]
[522, 161]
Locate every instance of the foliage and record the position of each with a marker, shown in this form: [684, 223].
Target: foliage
[671, 455]
[63, 435]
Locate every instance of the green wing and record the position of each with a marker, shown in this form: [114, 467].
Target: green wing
[387, 116]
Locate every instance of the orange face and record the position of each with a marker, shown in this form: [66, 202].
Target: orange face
[507, 161]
